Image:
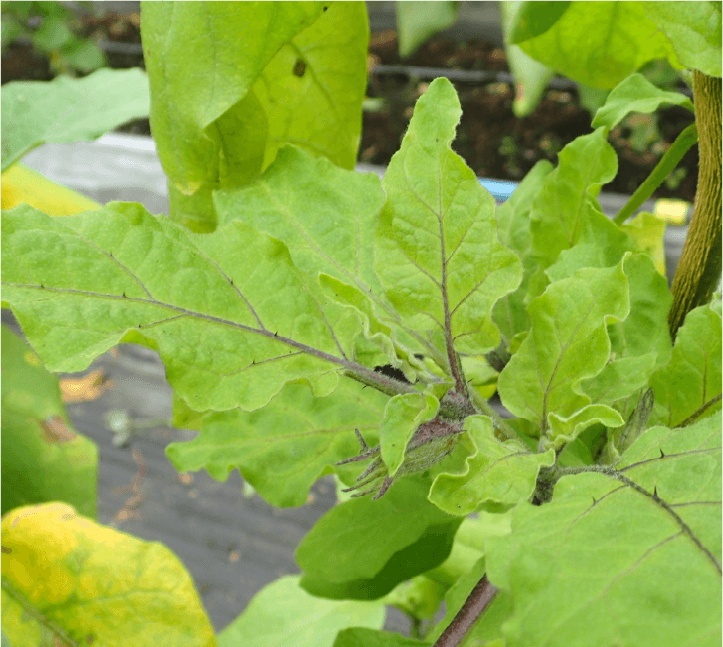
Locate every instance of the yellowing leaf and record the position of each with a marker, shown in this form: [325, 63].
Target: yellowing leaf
[647, 231]
[65, 577]
[23, 185]
[82, 389]
[43, 457]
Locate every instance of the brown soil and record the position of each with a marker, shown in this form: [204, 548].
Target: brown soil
[494, 143]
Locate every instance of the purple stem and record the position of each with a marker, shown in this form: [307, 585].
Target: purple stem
[476, 602]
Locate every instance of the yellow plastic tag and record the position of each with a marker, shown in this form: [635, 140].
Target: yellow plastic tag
[674, 212]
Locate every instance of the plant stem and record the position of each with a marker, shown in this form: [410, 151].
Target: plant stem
[667, 163]
[692, 418]
[699, 268]
[467, 616]
[499, 422]
[387, 385]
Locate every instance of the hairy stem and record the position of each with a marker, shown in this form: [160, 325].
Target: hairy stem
[467, 616]
[699, 269]
[667, 163]
[380, 382]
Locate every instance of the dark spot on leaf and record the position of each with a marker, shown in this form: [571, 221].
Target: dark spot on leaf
[390, 371]
[299, 67]
[325, 7]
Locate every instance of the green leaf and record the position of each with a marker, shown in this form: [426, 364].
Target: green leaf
[689, 386]
[513, 226]
[184, 417]
[69, 110]
[598, 43]
[631, 556]
[362, 637]
[327, 217]
[600, 243]
[591, 99]
[565, 429]
[319, 108]
[198, 72]
[51, 35]
[357, 538]
[567, 343]
[10, 31]
[531, 77]
[220, 112]
[295, 201]
[618, 440]
[324, 214]
[376, 348]
[437, 252]
[636, 94]
[694, 32]
[423, 555]
[284, 448]
[641, 342]
[535, 18]
[560, 207]
[63, 572]
[231, 327]
[402, 416]
[419, 597]
[282, 614]
[83, 55]
[469, 545]
[417, 21]
[43, 457]
[499, 475]
[27, 388]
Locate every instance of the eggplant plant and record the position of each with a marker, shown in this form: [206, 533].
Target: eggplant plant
[314, 320]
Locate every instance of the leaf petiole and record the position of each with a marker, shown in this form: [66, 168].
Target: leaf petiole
[657, 176]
